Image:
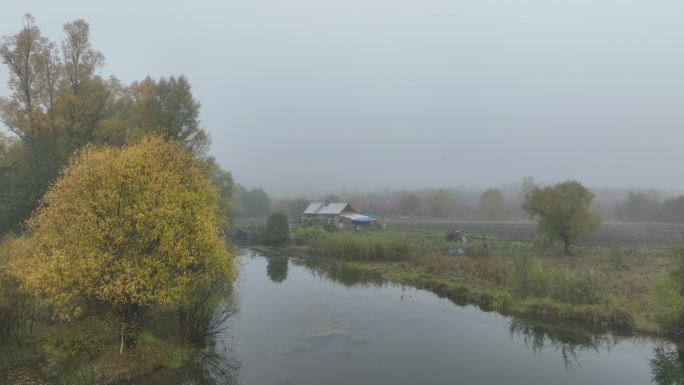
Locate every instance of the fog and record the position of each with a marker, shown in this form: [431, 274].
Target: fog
[310, 96]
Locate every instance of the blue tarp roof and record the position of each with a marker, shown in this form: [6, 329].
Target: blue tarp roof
[359, 218]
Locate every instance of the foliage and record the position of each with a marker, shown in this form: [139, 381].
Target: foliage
[365, 247]
[72, 347]
[303, 235]
[204, 316]
[17, 305]
[532, 278]
[639, 207]
[257, 203]
[58, 103]
[563, 212]
[478, 247]
[168, 109]
[129, 227]
[669, 294]
[277, 230]
[25, 173]
[222, 180]
[492, 203]
[667, 365]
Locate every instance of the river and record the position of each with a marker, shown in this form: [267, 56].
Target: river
[305, 323]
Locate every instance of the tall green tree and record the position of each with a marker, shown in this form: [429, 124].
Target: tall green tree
[277, 231]
[168, 108]
[55, 106]
[563, 212]
[58, 103]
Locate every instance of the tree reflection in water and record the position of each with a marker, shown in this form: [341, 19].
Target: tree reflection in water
[216, 365]
[338, 273]
[277, 269]
[215, 368]
[667, 364]
[569, 341]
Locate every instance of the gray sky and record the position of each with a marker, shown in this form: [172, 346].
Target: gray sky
[314, 95]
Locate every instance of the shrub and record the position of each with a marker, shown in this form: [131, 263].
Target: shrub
[479, 247]
[304, 235]
[153, 353]
[129, 228]
[670, 302]
[72, 348]
[533, 279]
[578, 287]
[277, 231]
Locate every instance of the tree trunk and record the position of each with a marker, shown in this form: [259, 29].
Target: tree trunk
[122, 339]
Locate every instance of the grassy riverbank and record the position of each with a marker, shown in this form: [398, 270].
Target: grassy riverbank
[613, 286]
[84, 352]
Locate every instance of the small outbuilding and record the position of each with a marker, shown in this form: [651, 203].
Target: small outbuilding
[338, 214]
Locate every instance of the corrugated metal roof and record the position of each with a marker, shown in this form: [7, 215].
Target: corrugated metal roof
[313, 208]
[333, 208]
[329, 209]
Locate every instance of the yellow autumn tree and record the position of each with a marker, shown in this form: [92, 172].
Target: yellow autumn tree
[127, 228]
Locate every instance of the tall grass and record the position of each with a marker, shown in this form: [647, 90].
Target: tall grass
[366, 247]
[532, 278]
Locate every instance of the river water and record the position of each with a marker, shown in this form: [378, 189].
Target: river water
[302, 323]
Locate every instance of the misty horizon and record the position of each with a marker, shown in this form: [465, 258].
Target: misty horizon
[312, 98]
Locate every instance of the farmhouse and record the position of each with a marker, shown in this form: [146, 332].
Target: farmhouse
[339, 214]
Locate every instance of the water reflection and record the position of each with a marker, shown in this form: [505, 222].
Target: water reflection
[343, 275]
[289, 335]
[568, 340]
[276, 269]
[216, 368]
[667, 364]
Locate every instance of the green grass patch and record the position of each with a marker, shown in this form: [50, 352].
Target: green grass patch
[366, 247]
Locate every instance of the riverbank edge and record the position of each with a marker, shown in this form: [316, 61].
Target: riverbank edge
[499, 300]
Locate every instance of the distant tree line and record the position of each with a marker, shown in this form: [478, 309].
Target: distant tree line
[648, 207]
[459, 203]
[493, 204]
